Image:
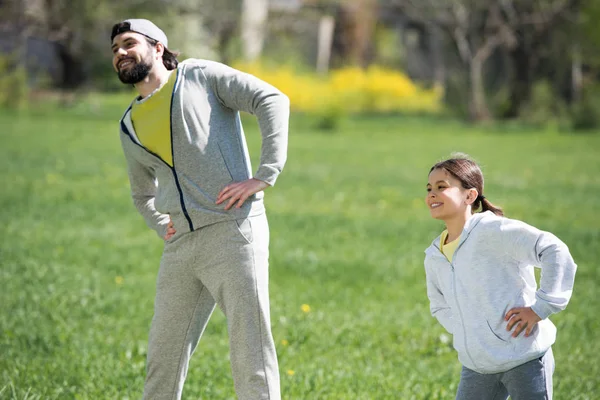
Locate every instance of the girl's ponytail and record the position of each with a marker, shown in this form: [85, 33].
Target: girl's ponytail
[487, 205]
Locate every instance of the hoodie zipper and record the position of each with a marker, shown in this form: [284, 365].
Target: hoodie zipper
[172, 168]
[183, 208]
[456, 297]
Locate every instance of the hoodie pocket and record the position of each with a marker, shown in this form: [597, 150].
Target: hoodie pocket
[226, 171]
[491, 348]
[497, 336]
[244, 228]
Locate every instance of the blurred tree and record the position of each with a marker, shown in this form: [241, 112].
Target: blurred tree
[585, 72]
[353, 23]
[588, 36]
[71, 26]
[220, 22]
[354, 32]
[253, 23]
[478, 29]
[223, 23]
[545, 48]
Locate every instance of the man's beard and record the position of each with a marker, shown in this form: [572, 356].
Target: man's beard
[136, 73]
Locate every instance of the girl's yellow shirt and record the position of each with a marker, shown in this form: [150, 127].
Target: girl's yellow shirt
[448, 248]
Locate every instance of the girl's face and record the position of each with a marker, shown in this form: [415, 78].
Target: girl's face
[446, 198]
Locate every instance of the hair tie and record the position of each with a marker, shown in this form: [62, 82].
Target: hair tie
[481, 197]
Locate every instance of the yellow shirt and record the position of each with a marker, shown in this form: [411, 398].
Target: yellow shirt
[151, 119]
[448, 248]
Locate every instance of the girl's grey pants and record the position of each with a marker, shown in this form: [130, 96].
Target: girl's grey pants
[529, 381]
[224, 264]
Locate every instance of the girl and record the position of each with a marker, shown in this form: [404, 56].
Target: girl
[482, 288]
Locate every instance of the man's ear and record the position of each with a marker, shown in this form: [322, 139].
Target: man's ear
[160, 50]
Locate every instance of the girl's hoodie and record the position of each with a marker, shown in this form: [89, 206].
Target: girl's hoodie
[492, 271]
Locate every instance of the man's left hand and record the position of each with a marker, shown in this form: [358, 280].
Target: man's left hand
[523, 318]
[240, 191]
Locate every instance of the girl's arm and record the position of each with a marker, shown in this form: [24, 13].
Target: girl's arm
[543, 250]
[437, 303]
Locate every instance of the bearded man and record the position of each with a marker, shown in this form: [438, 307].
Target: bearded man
[192, 181]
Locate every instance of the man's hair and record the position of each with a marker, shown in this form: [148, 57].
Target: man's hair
[169, 57]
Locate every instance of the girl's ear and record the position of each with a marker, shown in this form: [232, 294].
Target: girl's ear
[471, 196]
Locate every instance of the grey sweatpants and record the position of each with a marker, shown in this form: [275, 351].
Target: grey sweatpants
[225, 264]
[530, 381]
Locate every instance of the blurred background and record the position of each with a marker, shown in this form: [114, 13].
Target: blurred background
[536, 61]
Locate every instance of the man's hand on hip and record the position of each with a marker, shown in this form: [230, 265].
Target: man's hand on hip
[240, 191]
[170, 230]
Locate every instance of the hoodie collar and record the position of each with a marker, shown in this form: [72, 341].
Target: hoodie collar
[469, 226]
[474, 221]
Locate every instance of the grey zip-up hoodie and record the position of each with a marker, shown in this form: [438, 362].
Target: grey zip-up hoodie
[208, 147]
[492, 271]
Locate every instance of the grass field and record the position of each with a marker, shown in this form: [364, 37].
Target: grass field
[348, 223]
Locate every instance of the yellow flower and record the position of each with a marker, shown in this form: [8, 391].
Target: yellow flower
[350, 89]
[285, 342]
[119, 280]
[305, 308]
[290, 372]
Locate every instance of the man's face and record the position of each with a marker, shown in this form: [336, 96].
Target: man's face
[132, 57]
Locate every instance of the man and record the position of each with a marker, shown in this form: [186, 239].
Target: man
[191, 180]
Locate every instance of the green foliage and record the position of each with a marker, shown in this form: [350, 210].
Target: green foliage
[585, 114]
[348, 229]
[389, 49]
[282, 51]
[331, 118]
[548, 111]
[14, 90]
[545, 109]
[589, 32]
[456, 95]
[499, 101]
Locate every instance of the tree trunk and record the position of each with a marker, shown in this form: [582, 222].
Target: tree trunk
[354, 29]
[478, 105]
[23, 32]
[326, 28]
[576, 74]
[254, 19]
[439, 69]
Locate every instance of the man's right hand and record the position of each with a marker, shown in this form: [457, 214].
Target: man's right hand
[170, 230]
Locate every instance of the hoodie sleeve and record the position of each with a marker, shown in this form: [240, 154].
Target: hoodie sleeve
[532, 246]
[243, 92]
[143, 192]
[437, 303]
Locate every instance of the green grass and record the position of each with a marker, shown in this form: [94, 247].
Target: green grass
[348, 228]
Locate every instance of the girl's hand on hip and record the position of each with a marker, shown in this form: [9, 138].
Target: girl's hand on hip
[240, 191]
[170, 230]
[521, 318]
